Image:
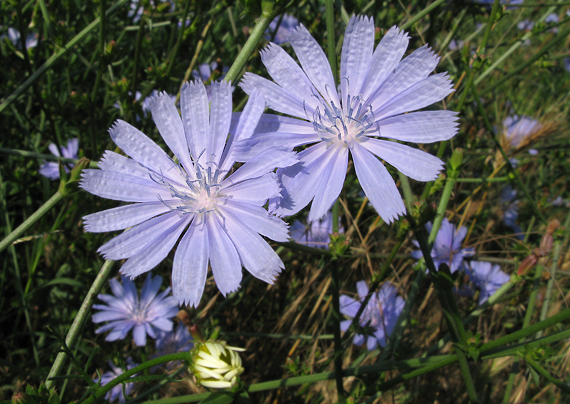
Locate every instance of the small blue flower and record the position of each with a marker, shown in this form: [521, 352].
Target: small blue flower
[487, 277]
[447, 246]
[174, 341]
[287, 26]
[117, 391]
[516, 129]
[315, 234]
[125, 310]
[14, 36]
[380, 314]
[50, 169]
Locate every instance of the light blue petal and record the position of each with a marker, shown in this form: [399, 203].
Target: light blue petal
[169, 124]
[155, 250]
[362, 289]
[386, 57]
[220, 119]
[190, 266]
[163, 324]
[348, 306]
[262, 164]
[244, 129]
[331, 183]
[194, 106]
[139, 334]
[426, 92]
[409, 71]
[259, 220]
[122, 217]
[414, 163]
[420, 127]
[142, 149]
[345, 324]
[255, 254]
[377, 184]
[357, 49]
[136, 238]
[224, 258]
[289, 76]
[371, 343]
[149, 290]
[122, 187]
[314, 63]
[254, 191]
[276, 98]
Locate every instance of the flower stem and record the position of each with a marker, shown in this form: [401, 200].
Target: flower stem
[185, 356]
[79, 320]
[260, 27]
[37, 215]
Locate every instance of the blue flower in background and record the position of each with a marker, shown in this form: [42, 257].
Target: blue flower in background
[287, 26]
[380, 314]
[220, 211]
[126, 311]
[447, 246]
[174, 341]
[508, 198]
[50, 169]
[376, 92]
[117, 391]
[315, 234]
[487, 277]
[14, 36]
[516, 129]
[204, 73]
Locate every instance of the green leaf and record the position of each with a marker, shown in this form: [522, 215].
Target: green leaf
[218, 398]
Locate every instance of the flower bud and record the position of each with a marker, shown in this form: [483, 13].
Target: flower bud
[216, 365]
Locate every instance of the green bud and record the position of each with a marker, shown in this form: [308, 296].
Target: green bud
[456, 159]
[67, 186]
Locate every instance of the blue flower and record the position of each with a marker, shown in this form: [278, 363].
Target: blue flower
[447, 246]
[50, 169]
[173, 342]
[487, 277]
[117, 391]
[518, 129]
[126, 311]
[14, 36]
[380, 314]
[220, 211]
[287, 26]
[508, 198]
[315, 234]
[376, 92]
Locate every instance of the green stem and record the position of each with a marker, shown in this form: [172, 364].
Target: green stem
[422, 14]
[179, 40]
[37, 215]
[79, 320]
[544, 373]
[438, 362]
[559, 38]
[258, 31]
[55, 57]
[185, 356]
[510, 167]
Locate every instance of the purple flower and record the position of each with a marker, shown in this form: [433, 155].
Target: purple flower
[287, 26]
[50, 169]
[220, 211]
[126, 311]
[315, 234]
[117, 391]
[487, 277]
[376, 92]
[380, 314]
[517, 129]
[173, 342]
[447, 246]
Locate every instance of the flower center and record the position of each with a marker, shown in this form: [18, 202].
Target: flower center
[200, 195]
[343, 125]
